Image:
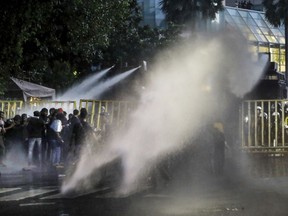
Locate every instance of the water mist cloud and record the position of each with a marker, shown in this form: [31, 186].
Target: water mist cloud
[185, 90]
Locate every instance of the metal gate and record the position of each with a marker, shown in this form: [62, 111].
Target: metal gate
[67, 106]
[116, 112]
[11, 108]
[264, 125]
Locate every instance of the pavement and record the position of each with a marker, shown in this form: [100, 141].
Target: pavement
[37, 192]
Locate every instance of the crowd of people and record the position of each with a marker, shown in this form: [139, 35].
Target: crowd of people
[48, 138]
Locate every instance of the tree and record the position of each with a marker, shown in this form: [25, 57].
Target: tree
[132, 43]
[276, 13]
[189, 11]
[43, 38]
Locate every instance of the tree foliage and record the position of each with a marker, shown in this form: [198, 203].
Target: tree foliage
[55, 42]
[132, 45]
[276, 11]
[185, 11]
[56, 37]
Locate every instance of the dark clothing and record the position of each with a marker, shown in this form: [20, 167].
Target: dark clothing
[35, 127]
[2, 147]
[219, 152]
[14, 136]
[75, 123]
[52, 135]
[76, 130]
[87, 129]
[24, 131]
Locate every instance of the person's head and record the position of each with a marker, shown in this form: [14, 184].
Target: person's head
[60, 116]
[44, 112]
[219, 126]
[17, 119]
[52, 111]
[70, 116]
[259, 109]
[36, 113]
[75, 112]
[24, 117]
[60, 110]
[83, 113]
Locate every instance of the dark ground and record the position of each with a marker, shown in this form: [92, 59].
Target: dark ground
[255, 188]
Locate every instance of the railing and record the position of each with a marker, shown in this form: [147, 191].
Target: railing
[263, 123]
[68, 106]
[264, 126]
[101, 112]
[11, 108]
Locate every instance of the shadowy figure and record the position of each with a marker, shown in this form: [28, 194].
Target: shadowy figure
[2, 146]
[35, 129]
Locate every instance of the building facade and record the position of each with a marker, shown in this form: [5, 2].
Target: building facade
[250, 22]
[152, 13]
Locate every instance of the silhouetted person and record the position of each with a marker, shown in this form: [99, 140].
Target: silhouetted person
[105, 124]
[35, 128]
[55, 140]
[24, 124]
[45, 119]
[219, 148]
[14, 135]
[2, 145]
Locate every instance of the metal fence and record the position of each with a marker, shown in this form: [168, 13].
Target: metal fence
[68, 106]
[264, 126]
[101, 111]
[11, 108]
[263, 123]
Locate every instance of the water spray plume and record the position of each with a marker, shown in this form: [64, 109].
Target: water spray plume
[185, 90]
[83, 86]
[101, 87]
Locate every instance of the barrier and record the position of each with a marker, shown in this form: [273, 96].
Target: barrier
[68, 106]
[115, 111]
[264, 126]
[263, 123]
[101, 112]
[11, 108]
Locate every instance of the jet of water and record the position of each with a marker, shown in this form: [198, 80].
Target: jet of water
[83, 86]
[101, 87]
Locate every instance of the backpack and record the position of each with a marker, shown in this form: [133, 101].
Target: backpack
[56, 125]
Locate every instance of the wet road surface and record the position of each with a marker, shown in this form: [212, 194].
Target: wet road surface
[38, 193]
